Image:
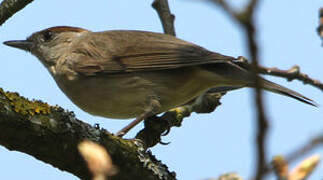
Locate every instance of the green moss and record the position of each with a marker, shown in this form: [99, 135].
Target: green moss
[24, 106]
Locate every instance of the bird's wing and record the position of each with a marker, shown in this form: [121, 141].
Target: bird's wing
[133, 51]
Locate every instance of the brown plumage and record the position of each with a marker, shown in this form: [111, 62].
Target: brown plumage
[125, 74]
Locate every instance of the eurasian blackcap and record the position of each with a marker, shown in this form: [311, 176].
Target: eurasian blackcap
[126, 74]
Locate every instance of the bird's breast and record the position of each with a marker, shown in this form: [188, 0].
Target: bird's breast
[127, 95]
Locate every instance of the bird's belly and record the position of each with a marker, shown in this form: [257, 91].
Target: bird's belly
[118, 98]
[128, 95]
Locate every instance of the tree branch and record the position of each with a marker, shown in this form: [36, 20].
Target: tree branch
[246, 19]
[320, 28]
[262, 122]
[306, 148]
[291, 74]
[51, 134]
[299, 152]
[10, 7]
[165, 16]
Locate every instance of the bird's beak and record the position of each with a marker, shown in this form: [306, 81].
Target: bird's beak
[20, 44]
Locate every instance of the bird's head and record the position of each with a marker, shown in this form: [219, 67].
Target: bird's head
[49, 44]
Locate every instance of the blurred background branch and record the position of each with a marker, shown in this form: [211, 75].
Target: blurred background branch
[320, 27]
[246, 19]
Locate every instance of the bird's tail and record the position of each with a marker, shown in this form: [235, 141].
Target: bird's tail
[276, 88]
[234, 72]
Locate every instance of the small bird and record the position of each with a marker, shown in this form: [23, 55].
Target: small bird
[125, 74]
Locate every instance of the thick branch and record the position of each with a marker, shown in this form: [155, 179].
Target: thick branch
[10, 7]
[52, 134]
[165, 16]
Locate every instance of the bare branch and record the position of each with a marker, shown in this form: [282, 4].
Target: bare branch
[312, 144]
[262, 123]
[165, 16]
[291, 74]
[51, 134]
[10, 7]
[246, 19]
[227, 8]
[320, 28]
[306, 148]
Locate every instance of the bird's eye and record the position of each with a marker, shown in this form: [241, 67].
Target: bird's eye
[47, 36]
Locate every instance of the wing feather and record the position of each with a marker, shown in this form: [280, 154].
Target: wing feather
[148, 52]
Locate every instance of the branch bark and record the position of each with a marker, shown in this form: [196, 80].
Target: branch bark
[51, 134]
[9, 7]
[292, 74]
[165, 16]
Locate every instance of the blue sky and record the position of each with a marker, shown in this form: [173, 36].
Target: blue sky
[206, 145]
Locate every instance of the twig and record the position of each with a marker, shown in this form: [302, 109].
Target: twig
[291, 74]
[320, 28]
[312, 144]
[246, 20]
[299, 152]
[10, 7]
[262, 123]
[227, 8]
[166, 17]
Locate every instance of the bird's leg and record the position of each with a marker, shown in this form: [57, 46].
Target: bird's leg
[150, 111]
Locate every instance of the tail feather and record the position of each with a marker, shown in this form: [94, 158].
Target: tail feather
[273, 87]
[241, 75]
